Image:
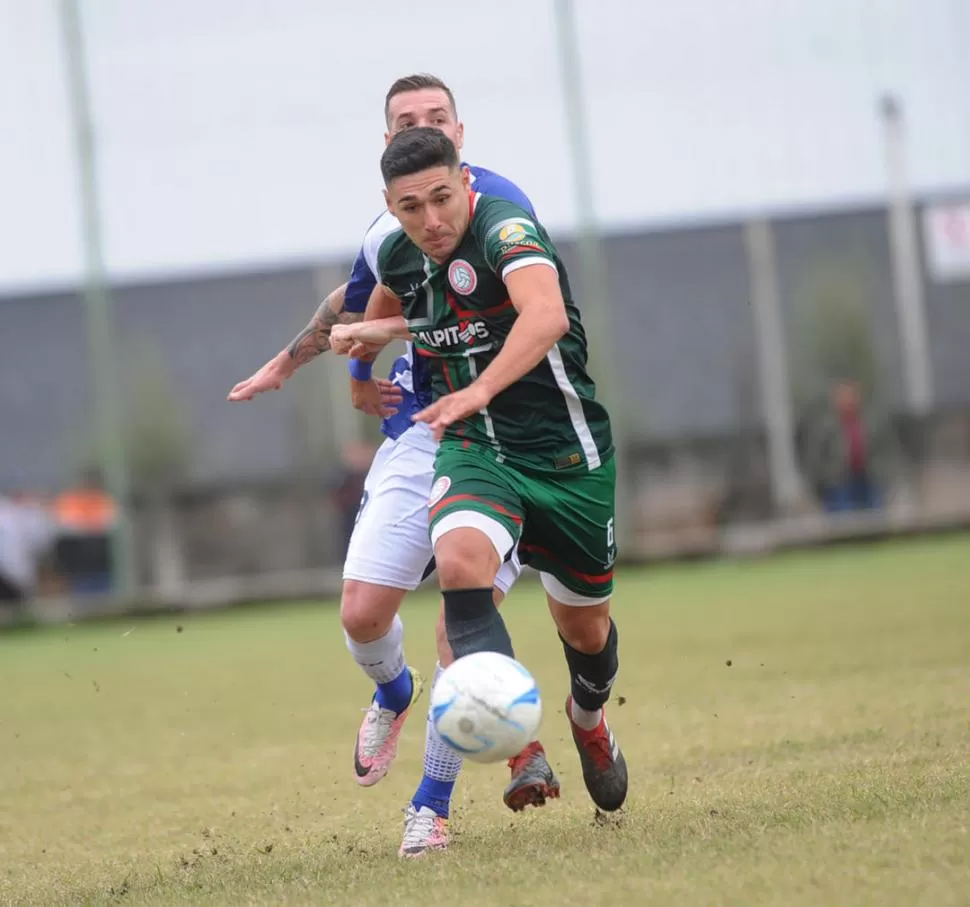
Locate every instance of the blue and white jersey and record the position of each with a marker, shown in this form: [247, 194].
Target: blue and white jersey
[409, 372]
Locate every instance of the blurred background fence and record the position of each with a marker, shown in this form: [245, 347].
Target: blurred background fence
[777, 228]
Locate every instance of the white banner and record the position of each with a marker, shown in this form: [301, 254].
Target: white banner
[946, 231]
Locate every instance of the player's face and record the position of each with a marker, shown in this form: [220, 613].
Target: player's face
[432, 208]
[425, 107]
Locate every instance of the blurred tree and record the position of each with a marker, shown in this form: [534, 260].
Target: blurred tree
[833, 338]
[158, 439]
[158, 446]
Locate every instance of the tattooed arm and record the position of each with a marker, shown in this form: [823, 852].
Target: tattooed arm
[383, 322]
[313, 340]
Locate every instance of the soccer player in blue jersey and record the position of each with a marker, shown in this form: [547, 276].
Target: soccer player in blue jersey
[390, 551]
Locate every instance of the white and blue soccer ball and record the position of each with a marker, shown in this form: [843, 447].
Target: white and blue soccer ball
[486, 706]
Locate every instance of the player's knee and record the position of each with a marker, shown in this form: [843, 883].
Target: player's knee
[586, 629]
[367, 610]
[466, 559]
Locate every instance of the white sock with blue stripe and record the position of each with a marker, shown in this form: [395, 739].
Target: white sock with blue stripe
[441, 767]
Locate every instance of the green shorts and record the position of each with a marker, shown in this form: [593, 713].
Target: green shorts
[563, 525]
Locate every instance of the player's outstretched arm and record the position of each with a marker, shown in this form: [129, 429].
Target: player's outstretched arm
[383, 323]
[542, 322]
[382, 331]
[313, 340]
[368, 338]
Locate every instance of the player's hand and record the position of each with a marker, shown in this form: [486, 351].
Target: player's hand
[345, 340]
[453, 408]
[269, 378]
[342, 339]
[391, 393]
[368, 397]
[361, 350]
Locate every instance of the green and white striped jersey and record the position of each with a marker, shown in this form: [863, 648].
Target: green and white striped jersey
[459, 313]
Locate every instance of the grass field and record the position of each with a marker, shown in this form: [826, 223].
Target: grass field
[797, 729]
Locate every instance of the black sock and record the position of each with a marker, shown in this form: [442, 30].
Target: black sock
[591, 676]
[473, 623]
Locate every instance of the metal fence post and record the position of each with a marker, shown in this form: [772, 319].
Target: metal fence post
[595, 303]
[98, 315]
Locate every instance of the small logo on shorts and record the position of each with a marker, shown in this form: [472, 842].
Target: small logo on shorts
[462, 277]
[439, 490]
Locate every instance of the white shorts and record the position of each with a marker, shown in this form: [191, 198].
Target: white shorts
[391, 544]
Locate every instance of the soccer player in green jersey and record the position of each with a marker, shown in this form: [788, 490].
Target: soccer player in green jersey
[526, 452]
[390, 548]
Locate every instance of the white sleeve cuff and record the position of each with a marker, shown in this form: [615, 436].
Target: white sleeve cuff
[527, 262]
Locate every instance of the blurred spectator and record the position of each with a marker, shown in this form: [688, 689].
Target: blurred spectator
[26, 535]
[846, 445]
[86, 516]
[347, 492]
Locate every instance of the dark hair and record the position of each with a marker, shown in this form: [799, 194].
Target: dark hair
[417, 149]
[417, 82]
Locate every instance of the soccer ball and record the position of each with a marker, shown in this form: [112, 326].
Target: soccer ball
[486, 707]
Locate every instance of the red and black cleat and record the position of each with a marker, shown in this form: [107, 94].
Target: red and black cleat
[604, 768]
[533, 780]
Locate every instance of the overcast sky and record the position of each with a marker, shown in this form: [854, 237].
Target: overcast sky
[234, 133]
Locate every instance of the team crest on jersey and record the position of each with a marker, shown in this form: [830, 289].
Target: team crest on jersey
[461, 276]
[439, 490]
[511, 233]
